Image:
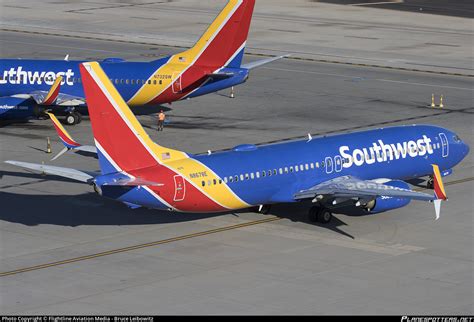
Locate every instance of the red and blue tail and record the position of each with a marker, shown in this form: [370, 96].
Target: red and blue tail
[122, 143]
[223, 43]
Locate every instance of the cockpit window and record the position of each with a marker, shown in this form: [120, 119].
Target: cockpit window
[456, 138]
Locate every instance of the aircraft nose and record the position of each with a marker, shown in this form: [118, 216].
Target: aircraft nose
[465, 148]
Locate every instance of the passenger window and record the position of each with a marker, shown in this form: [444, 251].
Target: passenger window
[161, 82]
[231, 179]
[311, 165]
[274, 172]
[154, 82]
[252, 176]
[241, 177]
[301, 167]
[127, 81]
[133, 82]
[225, 179]
[280, 171]
[203, 183]
[247, 176]
[220, 181]
[236, 178]
[269, 173]
[296, 168]
[149, 82]
[306, 166]
[291, 169]
[257, 174]
[215, 181]
[264, 173]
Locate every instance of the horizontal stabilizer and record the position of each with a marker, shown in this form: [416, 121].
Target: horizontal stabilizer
[56, 171]
[123, 179]
[262, 62]
[220, 76]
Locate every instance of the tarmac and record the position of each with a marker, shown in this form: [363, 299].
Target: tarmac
[65, 250]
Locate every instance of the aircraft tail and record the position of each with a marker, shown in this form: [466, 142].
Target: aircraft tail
[224, 41]
[439, 192]
[122, 143]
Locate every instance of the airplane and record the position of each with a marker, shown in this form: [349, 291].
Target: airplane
[365, 169]
[212, 64]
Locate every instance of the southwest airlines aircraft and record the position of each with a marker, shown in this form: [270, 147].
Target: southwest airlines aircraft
[365, 169]
[29, 87]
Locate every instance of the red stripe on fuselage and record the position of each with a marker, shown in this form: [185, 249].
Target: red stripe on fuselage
[194, 200]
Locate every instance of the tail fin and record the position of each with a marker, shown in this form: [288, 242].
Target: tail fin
[67, 139]
[223, 43]
[439, 192]
[122, 143]
[53, 92]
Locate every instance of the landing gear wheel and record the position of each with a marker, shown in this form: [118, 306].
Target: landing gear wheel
[313, 213]
[71, 119]
[430, 183]
[324, 216]
[265, 209]
[78, 116]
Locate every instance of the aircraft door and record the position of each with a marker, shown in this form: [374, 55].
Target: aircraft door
[444, 144]
[328, 162]
[179, 188]
[177, 85]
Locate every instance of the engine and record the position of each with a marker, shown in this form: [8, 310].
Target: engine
[384, 203]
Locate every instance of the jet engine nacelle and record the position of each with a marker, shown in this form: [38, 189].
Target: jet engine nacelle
[385, 203]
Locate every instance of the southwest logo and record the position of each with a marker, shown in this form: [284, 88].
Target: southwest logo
[20, 76]
[381, 152]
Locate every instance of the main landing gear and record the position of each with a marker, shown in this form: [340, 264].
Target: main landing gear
[430, 183]
[73, 118]
[319, 214]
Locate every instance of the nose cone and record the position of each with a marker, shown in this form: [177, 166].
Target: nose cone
[465, 149]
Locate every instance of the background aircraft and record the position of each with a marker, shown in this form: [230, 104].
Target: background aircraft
[364, 169]
[213, 64]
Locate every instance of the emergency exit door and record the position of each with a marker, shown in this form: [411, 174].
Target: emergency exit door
[444, 144]
[179, 188]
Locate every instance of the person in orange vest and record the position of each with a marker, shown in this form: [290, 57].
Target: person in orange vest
[161, 120]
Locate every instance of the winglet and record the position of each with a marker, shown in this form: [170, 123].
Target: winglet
[67, 140]
[53, 92]
[439, 192]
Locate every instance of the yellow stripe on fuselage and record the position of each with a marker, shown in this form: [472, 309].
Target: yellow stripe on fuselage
[196, 172]
[178, 63]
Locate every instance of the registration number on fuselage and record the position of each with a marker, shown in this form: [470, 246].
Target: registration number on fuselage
[197, 175]
[163, 76]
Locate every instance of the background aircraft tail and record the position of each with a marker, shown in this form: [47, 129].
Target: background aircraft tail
[122, 143]
[224, 41]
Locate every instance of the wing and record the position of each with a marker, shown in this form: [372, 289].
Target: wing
[67, 140]
[82, 176]
[351, 187]
[262, 62]
[54, 96]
